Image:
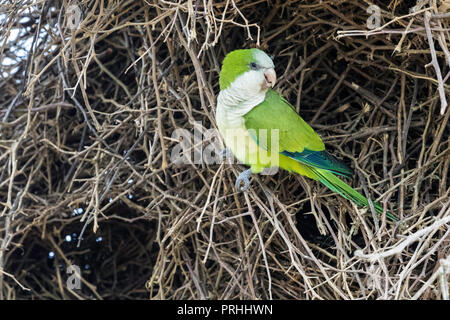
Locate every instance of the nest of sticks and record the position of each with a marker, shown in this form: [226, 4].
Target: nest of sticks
[92, 205]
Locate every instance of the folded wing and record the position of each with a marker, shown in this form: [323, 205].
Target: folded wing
[296, 139]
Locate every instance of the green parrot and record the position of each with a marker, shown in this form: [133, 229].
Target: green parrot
[263, 130]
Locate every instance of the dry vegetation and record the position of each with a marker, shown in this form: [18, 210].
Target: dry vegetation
[87, 114]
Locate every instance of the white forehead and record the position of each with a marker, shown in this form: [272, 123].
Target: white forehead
[263, 59]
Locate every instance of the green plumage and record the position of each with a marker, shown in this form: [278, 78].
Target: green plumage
[339, 186]
[298, 141]
[276, 113]
[238, 62]
[321, 159]
[298, 147]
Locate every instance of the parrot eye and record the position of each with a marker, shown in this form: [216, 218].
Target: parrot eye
[254, 66]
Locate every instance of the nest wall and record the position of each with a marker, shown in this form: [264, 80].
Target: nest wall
[93, 93]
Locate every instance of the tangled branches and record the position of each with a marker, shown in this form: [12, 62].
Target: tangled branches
[92, 92]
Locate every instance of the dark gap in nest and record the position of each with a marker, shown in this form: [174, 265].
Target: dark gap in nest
[111, 258]
[307, 226]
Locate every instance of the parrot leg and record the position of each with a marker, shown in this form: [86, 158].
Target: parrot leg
[243, 177]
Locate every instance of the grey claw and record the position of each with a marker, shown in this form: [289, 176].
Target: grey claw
[224, 153]
[243, 177]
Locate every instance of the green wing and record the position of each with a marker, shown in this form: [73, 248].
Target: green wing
[297, 139]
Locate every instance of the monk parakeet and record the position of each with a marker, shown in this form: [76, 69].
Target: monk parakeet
[263, 130]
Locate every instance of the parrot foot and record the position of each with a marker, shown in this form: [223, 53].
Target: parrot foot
[224, 154]
[243, 177]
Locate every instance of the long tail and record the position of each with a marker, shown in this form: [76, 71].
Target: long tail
[339, 186]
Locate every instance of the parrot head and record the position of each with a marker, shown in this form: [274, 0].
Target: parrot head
[248, 70]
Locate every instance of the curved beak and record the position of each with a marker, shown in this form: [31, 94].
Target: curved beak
[271, 77]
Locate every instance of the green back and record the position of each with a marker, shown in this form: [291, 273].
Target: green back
[296, 139]
[276, 113]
